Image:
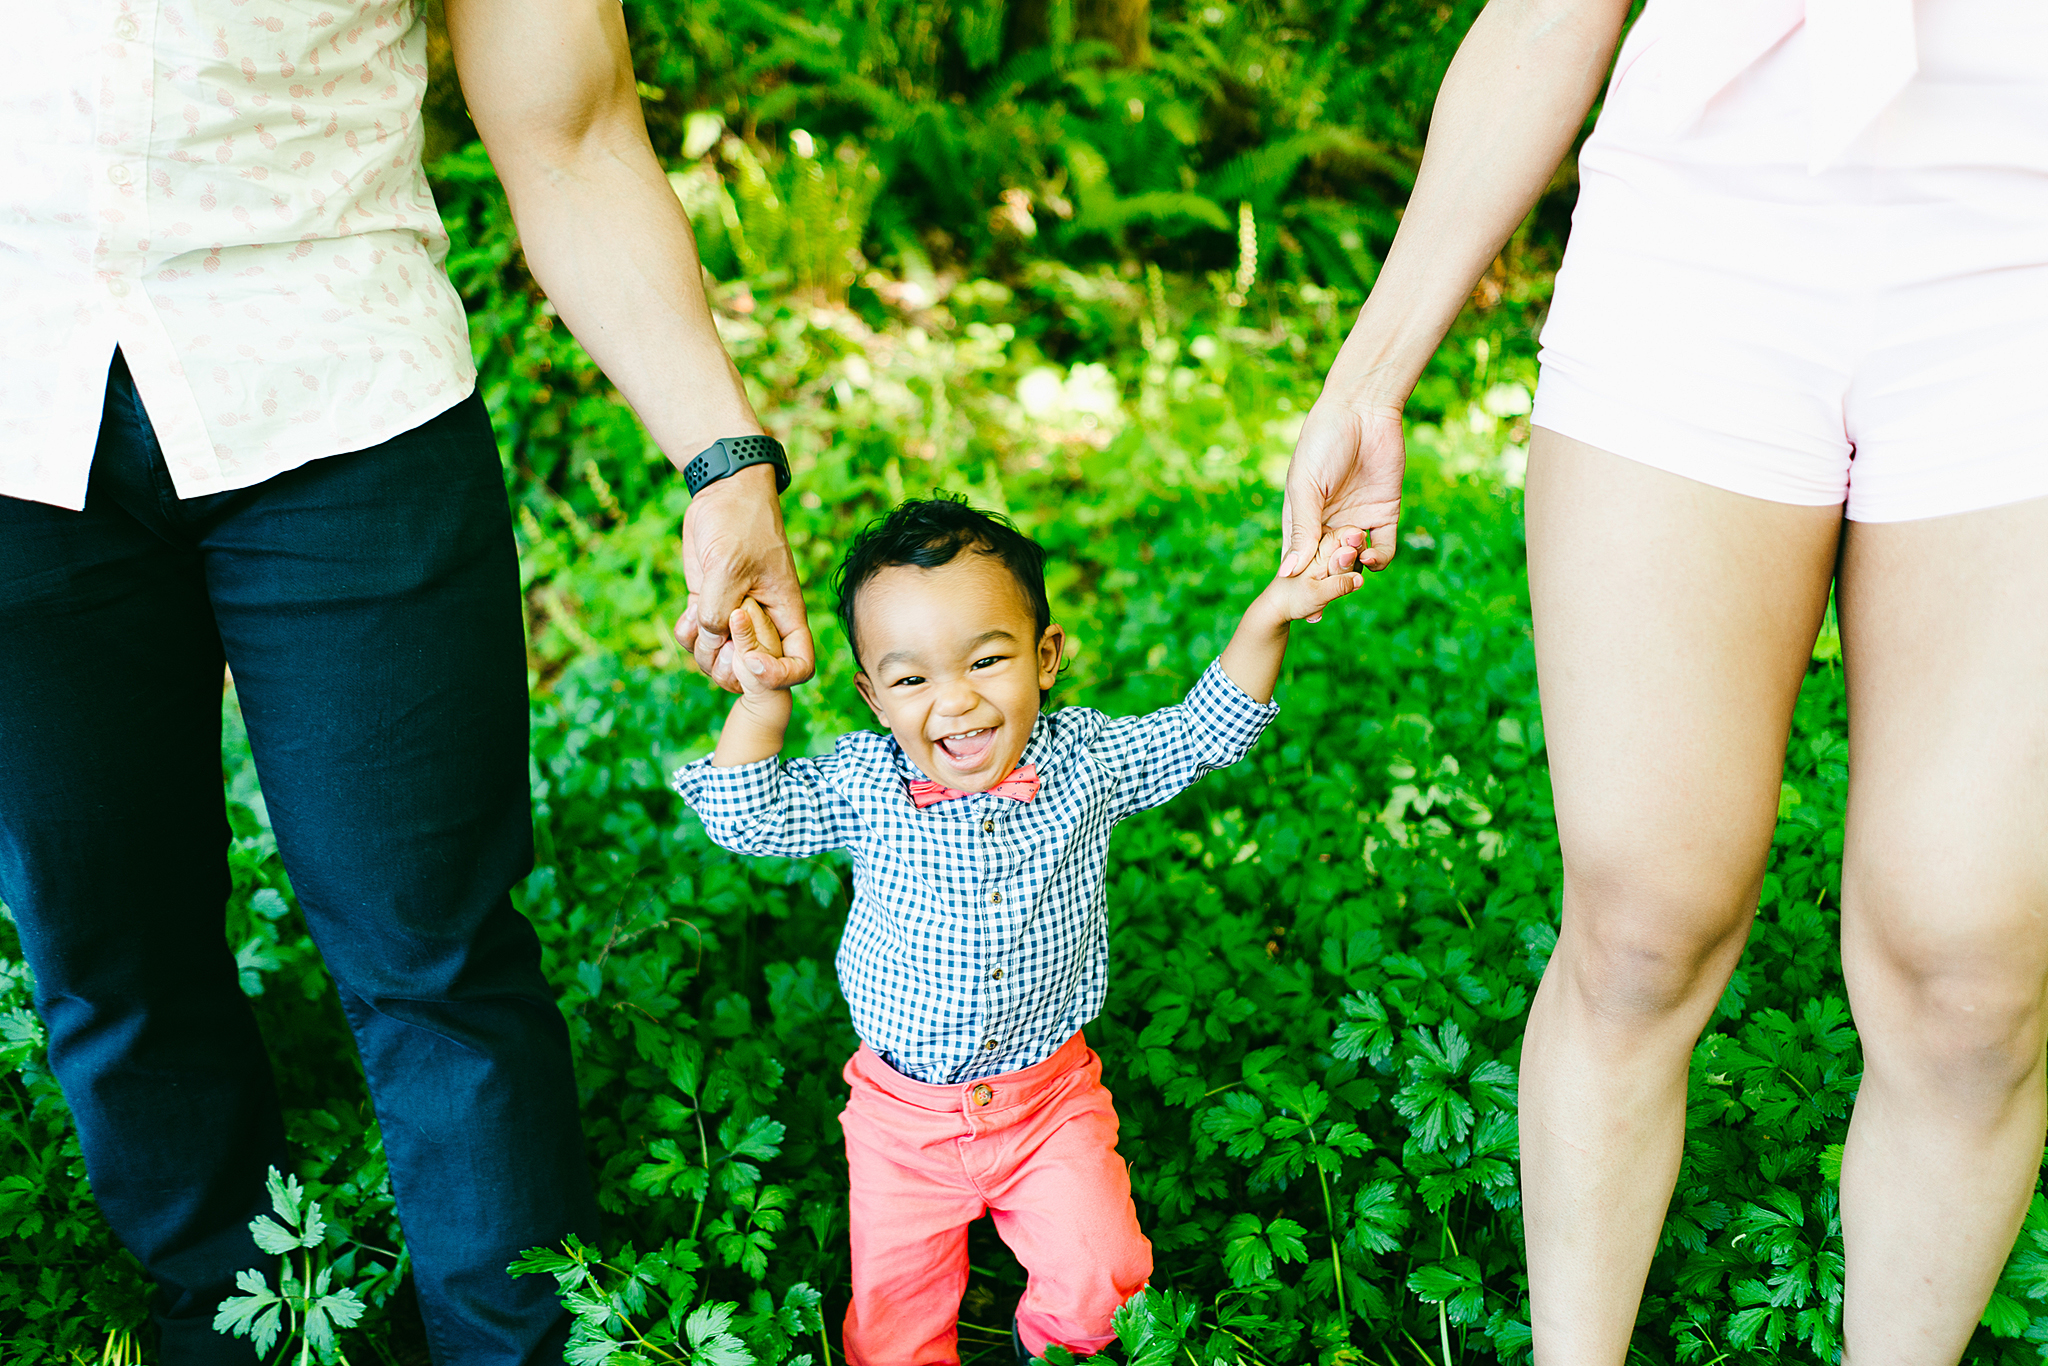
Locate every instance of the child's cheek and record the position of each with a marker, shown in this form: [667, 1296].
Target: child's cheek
[909, 737]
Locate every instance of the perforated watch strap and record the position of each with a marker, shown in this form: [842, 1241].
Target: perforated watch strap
[730, 454]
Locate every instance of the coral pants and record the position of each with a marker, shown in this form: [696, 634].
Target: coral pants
[1037, 1148]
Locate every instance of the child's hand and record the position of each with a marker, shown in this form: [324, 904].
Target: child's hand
[1331, 575]
[751, 643]
[1253, 658]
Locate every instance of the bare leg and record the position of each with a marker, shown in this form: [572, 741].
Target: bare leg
[1674, 622]
[1944, 917]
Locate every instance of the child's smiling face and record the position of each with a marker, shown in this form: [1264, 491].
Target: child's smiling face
[953, 663]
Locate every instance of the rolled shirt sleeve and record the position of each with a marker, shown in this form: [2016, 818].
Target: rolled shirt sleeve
[1161, 752]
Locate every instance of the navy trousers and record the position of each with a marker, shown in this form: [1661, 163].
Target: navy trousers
[368, 605]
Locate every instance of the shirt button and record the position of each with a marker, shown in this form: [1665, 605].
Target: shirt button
[124, 29]
[117, 288]
[118, 174]
[995, 898]
[989, 1044]
[996, 976]
[988, 827]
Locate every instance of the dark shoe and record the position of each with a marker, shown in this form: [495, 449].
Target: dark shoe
[1024, 1358]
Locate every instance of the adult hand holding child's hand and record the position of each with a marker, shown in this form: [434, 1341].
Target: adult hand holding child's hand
[752, 656]
[752, 648]
[1345, 475]
[734, 549]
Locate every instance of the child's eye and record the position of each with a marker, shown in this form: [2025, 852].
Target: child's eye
[987, 660]
[907, 681]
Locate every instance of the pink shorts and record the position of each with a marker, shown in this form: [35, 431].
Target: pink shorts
[1035, 1147]
[1874, 333]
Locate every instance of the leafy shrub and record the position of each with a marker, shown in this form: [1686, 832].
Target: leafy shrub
[1005, 135]
[64, 1283]
[634, 1310]
[1008, 132]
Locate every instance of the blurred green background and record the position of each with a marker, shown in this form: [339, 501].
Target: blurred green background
[1052, 255]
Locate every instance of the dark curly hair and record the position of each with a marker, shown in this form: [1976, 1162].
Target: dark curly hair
[929, 532]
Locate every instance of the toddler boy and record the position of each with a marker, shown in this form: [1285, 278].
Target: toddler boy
[976, 947]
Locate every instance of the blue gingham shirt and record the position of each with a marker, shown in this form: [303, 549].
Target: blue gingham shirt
[977, 942]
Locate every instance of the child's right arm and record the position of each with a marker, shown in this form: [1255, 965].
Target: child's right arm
[754, 728]
[748, 804]
[759, 719]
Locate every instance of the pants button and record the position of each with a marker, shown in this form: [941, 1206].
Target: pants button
[982, 1095]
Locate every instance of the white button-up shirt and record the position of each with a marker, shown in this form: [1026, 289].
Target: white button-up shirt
[977, 942]
[230, 192]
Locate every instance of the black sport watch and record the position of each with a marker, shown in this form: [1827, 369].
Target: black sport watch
[730, 454]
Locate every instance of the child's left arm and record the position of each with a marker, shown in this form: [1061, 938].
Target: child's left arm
[1156, 755]
[1253, 657]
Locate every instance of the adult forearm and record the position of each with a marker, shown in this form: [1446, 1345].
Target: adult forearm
[552, 90]
[1513, 100]
[608, 241]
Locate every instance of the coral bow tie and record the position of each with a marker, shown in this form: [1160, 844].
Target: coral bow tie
[1020, 786]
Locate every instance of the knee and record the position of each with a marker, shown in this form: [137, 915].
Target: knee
[1639, 950]
[1947, 985]
[477, 955]
[1963, 1031]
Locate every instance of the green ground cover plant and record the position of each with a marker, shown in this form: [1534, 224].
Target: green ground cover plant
[1321, 962]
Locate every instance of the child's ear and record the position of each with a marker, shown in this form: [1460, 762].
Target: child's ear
[1051, 646]
[867, 695]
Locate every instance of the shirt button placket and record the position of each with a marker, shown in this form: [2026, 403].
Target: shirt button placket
[126, 66]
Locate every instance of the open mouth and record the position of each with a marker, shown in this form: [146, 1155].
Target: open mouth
[966, 750]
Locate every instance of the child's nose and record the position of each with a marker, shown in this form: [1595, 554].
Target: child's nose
[957, 697]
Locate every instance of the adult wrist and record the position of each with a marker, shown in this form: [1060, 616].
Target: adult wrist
[1368, 385]
[1382, 358]
[750, 482]
[733, 455]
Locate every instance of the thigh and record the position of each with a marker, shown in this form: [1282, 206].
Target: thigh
[908, 1208]
[1065, 1207]
[909, 1189]
[1945, 643]
[113, 831]
[369, 606]
[1673, 623]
